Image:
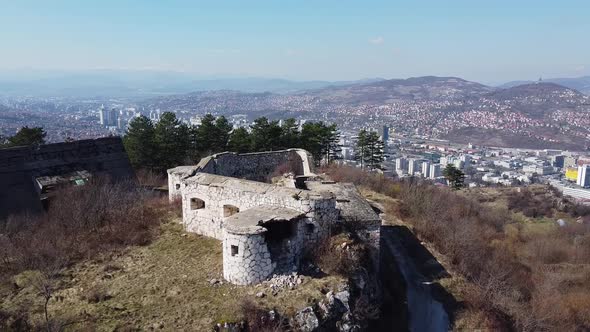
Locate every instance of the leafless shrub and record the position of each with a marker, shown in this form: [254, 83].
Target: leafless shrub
[149, 178]
[507, 270]
[80, 223]
[97, 293]
[340, 255]
[258, 319]
[374, 181]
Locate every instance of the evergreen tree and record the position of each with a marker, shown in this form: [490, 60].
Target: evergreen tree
[221, 134]
[361, 147]
[330, 140]
[369, 150]
[374, 151]
[265, 135]
[289, 134]
[172, 141]
[28, 136]
[240, 141]
[139, 142]
[205, 139]
[320, 140]
[194, 152]
[454, 176]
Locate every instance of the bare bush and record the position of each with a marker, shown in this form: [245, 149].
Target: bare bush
[149, 178]
[506, 269]
[97, 293]
[81, 222]
[340, 255]
[258, 319]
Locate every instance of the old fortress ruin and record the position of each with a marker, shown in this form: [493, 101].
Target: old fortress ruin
[266, 208]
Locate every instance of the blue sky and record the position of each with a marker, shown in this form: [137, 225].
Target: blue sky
[488, 41]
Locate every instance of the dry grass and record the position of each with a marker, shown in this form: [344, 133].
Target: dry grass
[163, 284]
[516, 263]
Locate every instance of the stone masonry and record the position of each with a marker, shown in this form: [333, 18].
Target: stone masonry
[264, 228]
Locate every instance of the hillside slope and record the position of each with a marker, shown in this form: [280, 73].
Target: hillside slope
[175, 283]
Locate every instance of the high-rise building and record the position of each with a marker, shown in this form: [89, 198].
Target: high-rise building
[401, 165]
[584, 176]
[434, 171]
[425, 169]
[385, 134]
[113, 117]
[558, 161]
[104, 116]
[413, 165]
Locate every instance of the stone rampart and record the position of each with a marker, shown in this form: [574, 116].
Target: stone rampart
[20, 166]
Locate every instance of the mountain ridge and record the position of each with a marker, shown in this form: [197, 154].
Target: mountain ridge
[581, 83]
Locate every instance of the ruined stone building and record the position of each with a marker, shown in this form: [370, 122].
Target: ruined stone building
[265, 219]
[29, 175]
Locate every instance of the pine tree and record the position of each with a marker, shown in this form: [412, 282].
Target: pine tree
[265, 135]
[240, 141]
[289, 134]
[221, 134]
[454, 176]
[171, 140]
[374, 151]
[320, 140]
[360, 148]
[205, 139]
[369, 150]
[139, 142]
[28, 136]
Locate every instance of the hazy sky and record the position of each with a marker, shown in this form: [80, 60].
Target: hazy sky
[489, 41]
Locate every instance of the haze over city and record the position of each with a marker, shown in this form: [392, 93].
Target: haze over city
[488, 42]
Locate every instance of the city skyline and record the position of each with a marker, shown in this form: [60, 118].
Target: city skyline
[489, 43]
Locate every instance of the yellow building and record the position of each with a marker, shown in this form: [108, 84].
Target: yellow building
[571, 174]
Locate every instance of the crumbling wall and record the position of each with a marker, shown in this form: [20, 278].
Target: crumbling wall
[257, 166]
[259, 243]
[217, 191]
[175, 177]
[285, 242]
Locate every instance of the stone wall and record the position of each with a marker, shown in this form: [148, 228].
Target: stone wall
[251, 263]
[175, 177]
[19, 166]
[265, 228]
[216, 191]
[257, 166]
[204, 197]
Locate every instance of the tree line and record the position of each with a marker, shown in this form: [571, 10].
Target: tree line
[170, 142]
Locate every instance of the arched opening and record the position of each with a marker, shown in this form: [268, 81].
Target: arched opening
[229, 210]
[197, 203]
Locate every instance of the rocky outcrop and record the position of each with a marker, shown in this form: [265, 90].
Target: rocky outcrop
[331, 314]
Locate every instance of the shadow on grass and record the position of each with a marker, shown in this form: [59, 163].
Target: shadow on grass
[400, 249]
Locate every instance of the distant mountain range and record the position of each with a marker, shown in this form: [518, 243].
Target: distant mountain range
[415, 88]
[143, 84]
[534, 115]
[581, 84]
